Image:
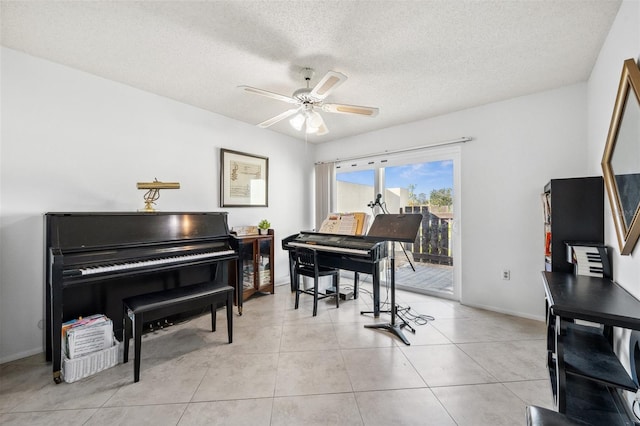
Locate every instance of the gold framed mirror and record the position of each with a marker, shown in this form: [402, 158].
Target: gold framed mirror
[621, 159]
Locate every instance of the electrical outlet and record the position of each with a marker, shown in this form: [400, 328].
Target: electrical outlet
[506, 274]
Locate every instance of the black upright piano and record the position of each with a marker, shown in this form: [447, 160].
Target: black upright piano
[348, 252]
[95, 260]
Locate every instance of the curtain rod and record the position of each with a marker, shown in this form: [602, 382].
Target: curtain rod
[396, 151]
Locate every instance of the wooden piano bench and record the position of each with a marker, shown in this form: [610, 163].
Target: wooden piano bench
[160, 304]
[538, 416]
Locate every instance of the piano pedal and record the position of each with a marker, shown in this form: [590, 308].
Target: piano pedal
[144, 335]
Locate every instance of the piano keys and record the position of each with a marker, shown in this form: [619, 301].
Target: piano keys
[347, 252]
[589, 260]
[136, 265]
[94, 260]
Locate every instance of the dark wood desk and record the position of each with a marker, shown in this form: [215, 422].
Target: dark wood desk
[585, 373]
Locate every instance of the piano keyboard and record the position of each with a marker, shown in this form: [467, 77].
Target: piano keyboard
[588, 261]
[145, 263]
[330, 248]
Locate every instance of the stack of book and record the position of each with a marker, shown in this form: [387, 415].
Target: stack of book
[83, 336]
[88, 346]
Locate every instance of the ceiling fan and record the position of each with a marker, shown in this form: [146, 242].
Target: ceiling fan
[308, 101]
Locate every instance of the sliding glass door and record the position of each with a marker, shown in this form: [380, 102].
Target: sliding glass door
[425, 183]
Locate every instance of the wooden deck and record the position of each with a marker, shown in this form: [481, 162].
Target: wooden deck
[426, 278]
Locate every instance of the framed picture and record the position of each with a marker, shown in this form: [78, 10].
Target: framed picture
[244, 179]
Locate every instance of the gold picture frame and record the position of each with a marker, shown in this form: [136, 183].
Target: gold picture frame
[621, 159]
[244, 179]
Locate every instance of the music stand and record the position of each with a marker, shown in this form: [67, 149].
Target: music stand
[401, 228]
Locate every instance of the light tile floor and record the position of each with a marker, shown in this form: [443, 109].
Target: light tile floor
[286, 367]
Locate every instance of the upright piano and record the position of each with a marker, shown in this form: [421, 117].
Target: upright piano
[95, 260]
[348, 252]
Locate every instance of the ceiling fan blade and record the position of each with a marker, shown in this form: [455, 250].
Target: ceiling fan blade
[351, 109]
[268, 94]
[279, 117]
[330, 81]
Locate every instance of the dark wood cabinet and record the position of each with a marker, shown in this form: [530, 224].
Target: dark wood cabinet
[586, 374]
[574, 211]
[255, 264]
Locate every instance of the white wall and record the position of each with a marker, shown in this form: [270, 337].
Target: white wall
[517, 146]
[623, 42]
[75, 142]
[354, 197]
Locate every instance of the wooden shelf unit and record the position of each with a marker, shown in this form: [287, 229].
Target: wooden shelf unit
[576, 213]
[255, 264]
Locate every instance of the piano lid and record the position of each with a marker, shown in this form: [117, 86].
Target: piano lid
[86, 230]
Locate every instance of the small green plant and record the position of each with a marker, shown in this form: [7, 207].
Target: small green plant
[264, 224]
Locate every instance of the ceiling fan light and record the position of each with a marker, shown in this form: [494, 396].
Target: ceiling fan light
[297, 121]
[311, 130]
[322, 130]
[314, 120]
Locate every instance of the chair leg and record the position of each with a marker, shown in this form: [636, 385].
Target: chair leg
[315, 296]
[336, 284]
[297, 288]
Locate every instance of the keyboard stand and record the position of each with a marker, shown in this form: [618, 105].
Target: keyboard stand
[392, 327]
[394, 227]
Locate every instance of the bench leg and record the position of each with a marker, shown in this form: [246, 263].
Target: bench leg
[213, 316]
[230, 315]
[137, 334]
[125, 338]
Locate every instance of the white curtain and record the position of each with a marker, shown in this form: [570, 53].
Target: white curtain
[325, 194]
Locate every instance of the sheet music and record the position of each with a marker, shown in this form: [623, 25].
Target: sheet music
[344, 223]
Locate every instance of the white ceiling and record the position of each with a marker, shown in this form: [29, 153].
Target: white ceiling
[412, 59]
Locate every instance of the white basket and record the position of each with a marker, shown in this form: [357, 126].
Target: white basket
[79, 368]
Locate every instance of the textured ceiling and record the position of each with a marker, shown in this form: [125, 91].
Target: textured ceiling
[412, 59]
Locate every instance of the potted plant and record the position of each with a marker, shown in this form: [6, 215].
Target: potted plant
[264, 226]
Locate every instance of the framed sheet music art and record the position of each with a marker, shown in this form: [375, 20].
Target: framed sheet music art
[244, 179]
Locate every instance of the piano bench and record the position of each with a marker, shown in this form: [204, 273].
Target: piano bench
[160, 304]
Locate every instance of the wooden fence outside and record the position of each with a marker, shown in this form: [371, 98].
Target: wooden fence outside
[432, 244]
